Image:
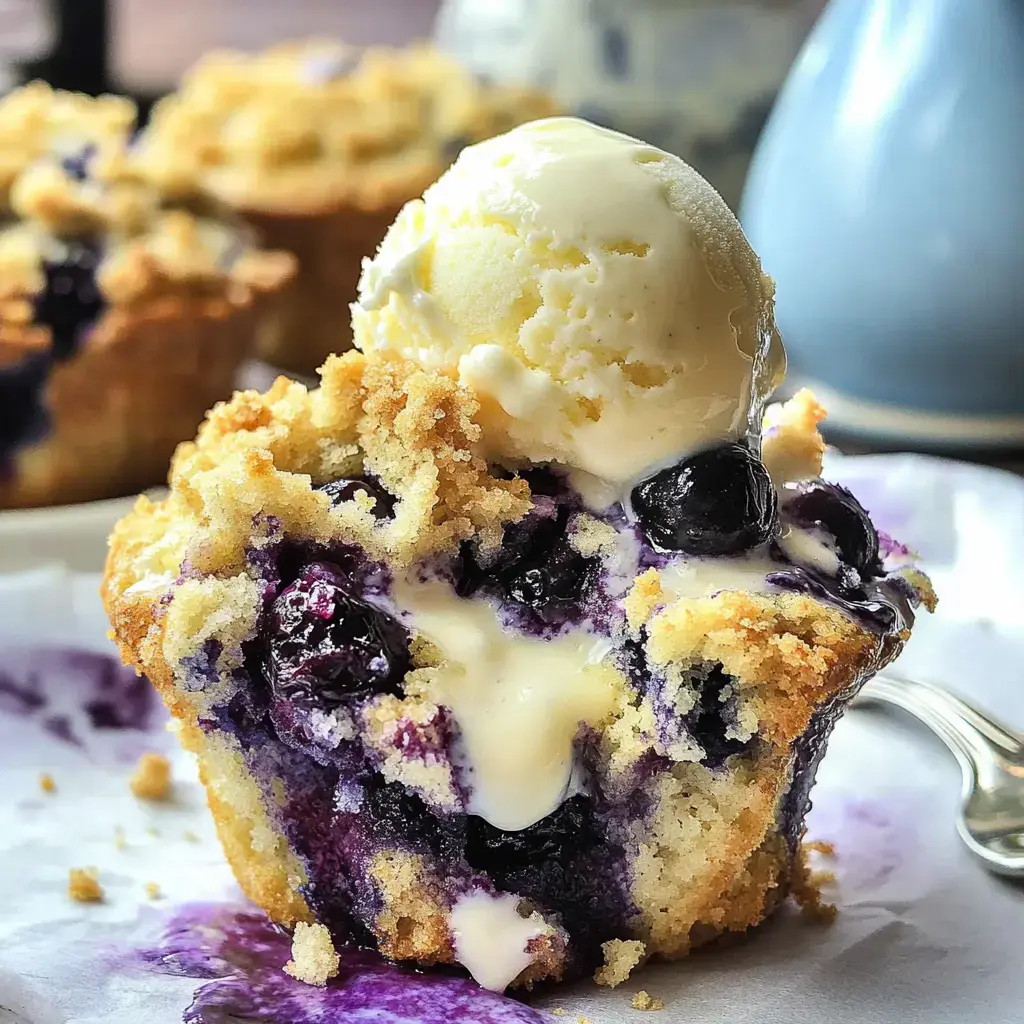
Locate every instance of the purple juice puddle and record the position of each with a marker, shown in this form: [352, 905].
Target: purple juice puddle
[239, 955]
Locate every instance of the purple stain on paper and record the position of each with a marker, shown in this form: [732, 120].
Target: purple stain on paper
[239, 956]
[72, 693]
[873, 841]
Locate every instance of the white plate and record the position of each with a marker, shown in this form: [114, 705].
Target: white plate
[74, 536]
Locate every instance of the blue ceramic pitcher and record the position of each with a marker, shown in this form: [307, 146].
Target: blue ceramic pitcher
[886, 197]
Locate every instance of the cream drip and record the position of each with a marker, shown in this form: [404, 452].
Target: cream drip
[490, 937]
[518, 701]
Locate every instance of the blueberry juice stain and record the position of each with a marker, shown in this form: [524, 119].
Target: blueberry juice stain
[238, 956]
[69, 304]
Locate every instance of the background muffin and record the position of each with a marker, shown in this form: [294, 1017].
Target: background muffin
[122, 319]
[318, 146]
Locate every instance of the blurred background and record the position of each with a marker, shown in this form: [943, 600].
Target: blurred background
[885, 195]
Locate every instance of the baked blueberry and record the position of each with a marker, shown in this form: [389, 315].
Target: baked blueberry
[829, 507]
[326, 644]
[346, 490]
[563, 834]
[70, 302]
[718, 502]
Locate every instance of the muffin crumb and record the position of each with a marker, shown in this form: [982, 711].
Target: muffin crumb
[189, 836]
[621, 956]
[84, 886]
[120, 839]
[153, 891]
[46, 783]
[818, 846]
[152, 778]
[643, 1000]
[558, 1012]
[314, 958]
[806, 888]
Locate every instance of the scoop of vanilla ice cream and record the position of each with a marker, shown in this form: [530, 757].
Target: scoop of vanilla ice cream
[595, 292]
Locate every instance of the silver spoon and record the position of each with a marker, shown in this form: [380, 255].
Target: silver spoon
[991, 756]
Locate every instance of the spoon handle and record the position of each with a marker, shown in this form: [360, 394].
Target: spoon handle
[969, 733]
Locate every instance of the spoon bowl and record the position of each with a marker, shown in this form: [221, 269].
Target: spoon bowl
[991, 756]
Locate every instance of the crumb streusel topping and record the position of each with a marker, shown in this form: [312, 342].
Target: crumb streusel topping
[322, 124]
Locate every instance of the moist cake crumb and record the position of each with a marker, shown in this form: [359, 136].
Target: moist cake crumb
[120, 839]
[152, 778]
[643, 1000]
[189, 836]
[558, 1012]
[46, 783]
[153, 891]
[819, 846]
[621, 956]
[314, 958]
[806, 888]
[84, 886]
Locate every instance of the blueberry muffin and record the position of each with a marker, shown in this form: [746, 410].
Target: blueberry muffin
[318, 145]
[123, 319]
[454, 694]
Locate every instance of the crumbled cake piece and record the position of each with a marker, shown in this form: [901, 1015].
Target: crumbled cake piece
[189, 836]
[314, 959]
[791, 447]
[558, 1012]
[643, 1000]
[152, 778]
[46, 783]
[84, 885]
[806, 886]
[818, 846]
[153, 890]
[621, 958]
[120, 839]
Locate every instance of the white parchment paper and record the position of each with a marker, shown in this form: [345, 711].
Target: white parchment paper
[923, 933]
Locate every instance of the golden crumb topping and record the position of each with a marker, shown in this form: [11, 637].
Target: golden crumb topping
[320, 122]
[37, 121]
[71, 195]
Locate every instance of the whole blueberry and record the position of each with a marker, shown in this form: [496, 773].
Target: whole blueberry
[834, 509]
[537, 572]
[717, 502]
[327, 644]
[70, 301]
[345, 490]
